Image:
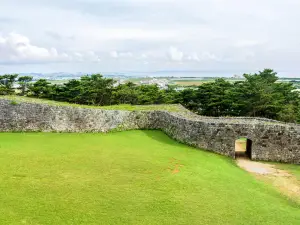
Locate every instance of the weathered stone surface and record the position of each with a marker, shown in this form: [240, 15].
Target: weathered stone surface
[271, 140]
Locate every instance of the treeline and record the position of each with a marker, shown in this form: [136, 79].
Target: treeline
[258, 96]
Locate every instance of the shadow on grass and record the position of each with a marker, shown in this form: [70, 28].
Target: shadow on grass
[161, 137]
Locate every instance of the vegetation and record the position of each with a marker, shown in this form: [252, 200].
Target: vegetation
[135, 177]
[24, 84]
[258, 95]
[14, 100]
[190, 83]
[6, 84]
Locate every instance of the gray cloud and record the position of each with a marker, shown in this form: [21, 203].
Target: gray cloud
[6, 20]
[173, 34]
[54, 35]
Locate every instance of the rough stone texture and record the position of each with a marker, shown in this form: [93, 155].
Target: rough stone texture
[271, 140]
[42, 117]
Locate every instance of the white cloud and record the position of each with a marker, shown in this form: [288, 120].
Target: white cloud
[17, 48]
[193, 57]
[174, 54]
[116, 54]
[92, 57]
[144, 56]
[208, 34]
[248, 43]
[209, 56]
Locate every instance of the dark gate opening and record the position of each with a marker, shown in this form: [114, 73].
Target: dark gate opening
[243, 148]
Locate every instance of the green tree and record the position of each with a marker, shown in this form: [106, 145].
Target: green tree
[126, 94]
[41, 89]
[96, 90]
[7, 82]
[260, 95]
[69, 92]
[288, 114]
[150, 94]
[187, 97]
[263, 98]
[213, 98]
[24, 83]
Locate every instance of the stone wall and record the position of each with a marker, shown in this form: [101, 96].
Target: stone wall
[50, 118]
[271, 140]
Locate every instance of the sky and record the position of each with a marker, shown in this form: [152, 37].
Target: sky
[149, 35]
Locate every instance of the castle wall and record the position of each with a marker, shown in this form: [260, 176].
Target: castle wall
[271, 141]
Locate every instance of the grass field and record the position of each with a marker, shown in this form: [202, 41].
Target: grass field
[184, 83]
[134, 177]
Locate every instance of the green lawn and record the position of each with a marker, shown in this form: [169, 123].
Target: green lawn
[134, 177]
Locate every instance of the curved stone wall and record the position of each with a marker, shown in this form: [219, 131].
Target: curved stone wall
[271, 140]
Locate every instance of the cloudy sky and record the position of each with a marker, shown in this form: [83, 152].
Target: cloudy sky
[149, 35]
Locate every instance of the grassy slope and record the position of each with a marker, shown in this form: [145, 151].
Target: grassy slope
[171, 108]
[128, 178]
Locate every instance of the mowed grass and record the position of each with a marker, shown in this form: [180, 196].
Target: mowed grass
[134, 177]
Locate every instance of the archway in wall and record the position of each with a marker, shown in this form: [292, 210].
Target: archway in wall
[243, 148]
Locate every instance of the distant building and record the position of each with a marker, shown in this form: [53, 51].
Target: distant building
[119, 82]
[237, 76]
[161, 83]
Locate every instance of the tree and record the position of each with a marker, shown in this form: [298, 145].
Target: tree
[187, 97]
[125, 94]
[69, 92]
[262, 95]
[150, 94]
[7, 84]
[95, 90]
[41, 89]
[171, 95]
[288, 114]
[213, 98]
[24, 83]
